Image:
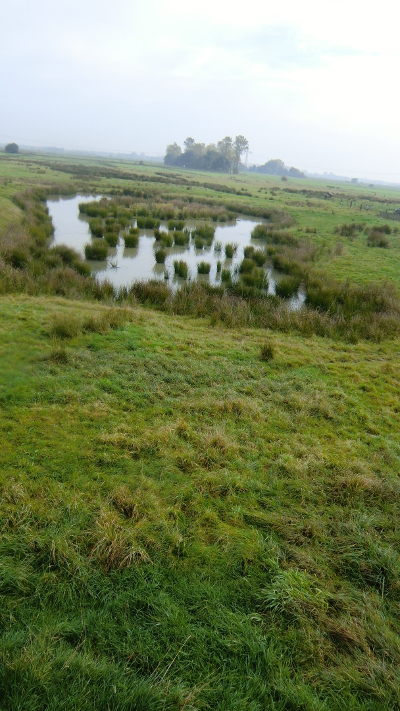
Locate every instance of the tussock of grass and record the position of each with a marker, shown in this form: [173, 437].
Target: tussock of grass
[160, 256]
[203, 268]
[97, 249]
[181, 268]
[230, 250]
[267, 351]
[131, 240]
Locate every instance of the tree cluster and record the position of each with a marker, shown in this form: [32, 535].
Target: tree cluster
[223, 157]
[277, 167]
[11, 148]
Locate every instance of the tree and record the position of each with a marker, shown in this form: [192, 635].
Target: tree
[11, 148]
[189, 143]
[172, 154]
[240, 146]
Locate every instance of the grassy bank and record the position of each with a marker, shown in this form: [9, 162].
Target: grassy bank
[184, 525]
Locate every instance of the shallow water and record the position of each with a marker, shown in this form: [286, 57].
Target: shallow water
[123, 266]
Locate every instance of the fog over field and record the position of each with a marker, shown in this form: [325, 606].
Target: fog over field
[311, 83]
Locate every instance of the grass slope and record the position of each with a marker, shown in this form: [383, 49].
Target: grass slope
[185, 526]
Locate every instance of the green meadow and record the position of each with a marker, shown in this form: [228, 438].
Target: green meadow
[199, 492]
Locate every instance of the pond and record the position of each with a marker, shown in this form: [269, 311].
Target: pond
[125, 265]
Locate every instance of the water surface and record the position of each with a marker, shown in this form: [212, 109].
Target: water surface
[124, 266]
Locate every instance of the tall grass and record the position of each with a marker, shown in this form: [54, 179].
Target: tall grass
[97, 250]
[230, 250]
[203, 268]
[160, 256]
[181, 268]
[131, 240]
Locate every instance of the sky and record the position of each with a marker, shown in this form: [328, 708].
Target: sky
[314, 83]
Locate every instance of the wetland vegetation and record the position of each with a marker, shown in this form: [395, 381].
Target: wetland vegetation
[199, 482]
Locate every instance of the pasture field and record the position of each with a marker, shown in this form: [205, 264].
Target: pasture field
[199, 494]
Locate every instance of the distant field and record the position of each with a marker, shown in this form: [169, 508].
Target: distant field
[199, 493]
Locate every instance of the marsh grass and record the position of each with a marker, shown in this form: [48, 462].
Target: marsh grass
[203, 268]
[111, 238]
[287, 287]
[160, 256]
[181, 238]
[176, 225]
[230, 250]
[167, 239]
[131, 239]
[181, 268]
[97, 249]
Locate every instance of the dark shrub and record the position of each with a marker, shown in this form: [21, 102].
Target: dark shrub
[219, 265]
[98, 249]
[203, 268]
[18, 258]
[226, 276]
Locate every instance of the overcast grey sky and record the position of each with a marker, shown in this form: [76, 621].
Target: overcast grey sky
[315, 82]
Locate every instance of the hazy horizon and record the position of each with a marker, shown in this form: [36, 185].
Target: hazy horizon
[313, 84]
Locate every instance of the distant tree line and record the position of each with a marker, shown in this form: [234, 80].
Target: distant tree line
[277, 167]
[223, 157]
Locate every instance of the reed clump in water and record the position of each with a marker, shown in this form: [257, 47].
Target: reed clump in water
[96, 228]
[97, 250]
[131, 239]
[181, 268]
[111, 238]
[203, 268]
[181, 239]
[160, 256]
[230, 250]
